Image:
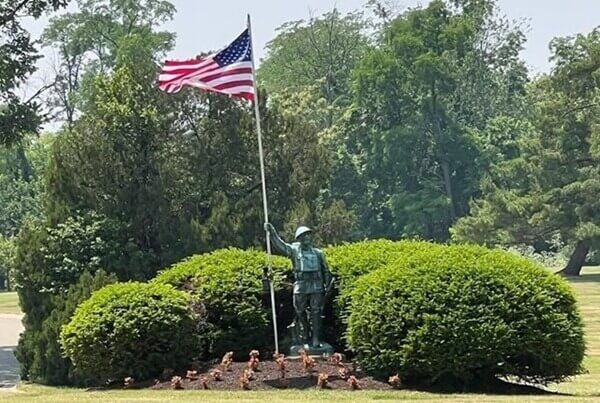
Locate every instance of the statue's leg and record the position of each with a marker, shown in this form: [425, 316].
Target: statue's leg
[316, 310]
[300, 305]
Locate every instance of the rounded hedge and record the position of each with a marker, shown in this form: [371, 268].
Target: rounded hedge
[131, 329]
[227, 285]
[350, 261]
[464, 314]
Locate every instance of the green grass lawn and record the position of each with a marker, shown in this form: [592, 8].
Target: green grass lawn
[587, 288]
[9, 303]
[585, 388]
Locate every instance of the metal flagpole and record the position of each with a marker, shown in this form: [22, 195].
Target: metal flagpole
[264, 187]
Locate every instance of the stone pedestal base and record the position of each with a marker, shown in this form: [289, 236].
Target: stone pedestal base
[324, 349]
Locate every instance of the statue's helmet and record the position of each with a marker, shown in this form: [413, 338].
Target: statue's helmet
[301, 231]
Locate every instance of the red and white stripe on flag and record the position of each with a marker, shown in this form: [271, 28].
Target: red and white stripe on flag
[228, 71]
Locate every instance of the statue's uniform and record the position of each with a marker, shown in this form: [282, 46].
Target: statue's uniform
[311, 274]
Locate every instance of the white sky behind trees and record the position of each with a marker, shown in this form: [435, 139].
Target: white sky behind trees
[198, 27]
[203, 25]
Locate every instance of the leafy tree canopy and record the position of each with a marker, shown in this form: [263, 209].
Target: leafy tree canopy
[18, 56]
[550, 187]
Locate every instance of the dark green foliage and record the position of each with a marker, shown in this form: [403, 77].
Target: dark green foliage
[463, 314]
[18, 56]
[228, 285]
[350, 261]
[30, 275]
[411, 160]
[46, 363]
[131, 329]
[82, 243]
[549, 184]
[125, 180]
[46, 263]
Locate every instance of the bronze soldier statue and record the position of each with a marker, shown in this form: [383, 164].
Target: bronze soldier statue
[312, 279]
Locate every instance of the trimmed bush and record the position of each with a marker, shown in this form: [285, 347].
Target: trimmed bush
[350, 261]
[465, 314]
[131, 329]
[227, 284]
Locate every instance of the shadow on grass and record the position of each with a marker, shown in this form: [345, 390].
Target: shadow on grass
[584, 278]
[494, 387]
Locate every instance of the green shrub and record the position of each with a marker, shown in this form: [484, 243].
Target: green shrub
[227, 284]
[47, 261]
[464, 314]
[131, 329]
[48, 365]
[350, 261]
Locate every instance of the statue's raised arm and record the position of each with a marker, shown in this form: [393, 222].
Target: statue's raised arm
[279, 243]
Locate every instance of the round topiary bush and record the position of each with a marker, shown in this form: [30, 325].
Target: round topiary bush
[131, 329]
[350, 261]
[227, 284]
[464, 315]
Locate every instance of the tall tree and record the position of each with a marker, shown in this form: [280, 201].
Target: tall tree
[318, 56]
[209, 167]
[104, 199]
[22, 187]
[22, 192]
[550, 187]
[7, 252]
[315, 89]
[17, 61]
[108, 162]
[88, 43]
[437, 73]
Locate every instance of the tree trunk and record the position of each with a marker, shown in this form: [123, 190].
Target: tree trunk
[448, 187]
[577, 259]
[437, 127]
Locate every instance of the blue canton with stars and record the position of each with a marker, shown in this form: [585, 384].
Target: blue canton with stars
[239, 50]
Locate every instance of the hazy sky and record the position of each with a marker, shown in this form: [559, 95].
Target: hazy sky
[198, 26]
[208, 25]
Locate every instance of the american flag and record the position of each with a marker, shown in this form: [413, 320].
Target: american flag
[228, 71]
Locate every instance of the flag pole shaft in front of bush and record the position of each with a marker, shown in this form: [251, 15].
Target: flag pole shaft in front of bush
[264, 189]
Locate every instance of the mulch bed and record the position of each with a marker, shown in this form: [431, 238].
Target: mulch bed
[268, 377]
